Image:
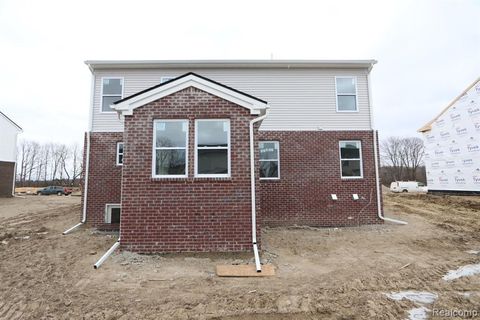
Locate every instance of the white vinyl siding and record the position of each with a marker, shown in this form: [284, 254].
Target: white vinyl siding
[300, 99]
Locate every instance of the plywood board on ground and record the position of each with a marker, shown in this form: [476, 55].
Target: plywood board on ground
[248, 270]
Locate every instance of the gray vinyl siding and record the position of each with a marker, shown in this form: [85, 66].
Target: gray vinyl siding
[300, 99]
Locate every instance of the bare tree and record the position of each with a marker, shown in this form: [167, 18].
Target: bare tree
[41, 164]
[401, 159]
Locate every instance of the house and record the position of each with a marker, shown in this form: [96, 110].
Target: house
[9, 131]
[199, 155]
[452, 145]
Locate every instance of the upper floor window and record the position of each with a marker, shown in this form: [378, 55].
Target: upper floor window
[165, 79]
[112, 90]
[212, 148]
[170, 148]
[119, 153]
[351, 159]
[346, 88]
[269, 160]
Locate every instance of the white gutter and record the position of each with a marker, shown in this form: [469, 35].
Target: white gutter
[379, 205]
[85, 189]
[252, 188]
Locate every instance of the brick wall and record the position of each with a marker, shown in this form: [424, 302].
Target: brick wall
[7, 172]
[310, 173]
[105, 177]
[185, 214]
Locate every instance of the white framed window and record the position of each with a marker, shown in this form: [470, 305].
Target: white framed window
[351, 166]
[269, 160]
[112, 90]
[212, 148]
[346, 91]
[112, 212]
[165, 79]
[119, 153]
[170, 148]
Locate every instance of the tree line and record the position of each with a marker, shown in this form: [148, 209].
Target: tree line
[59, 164]
[402, 160]
[48, 164]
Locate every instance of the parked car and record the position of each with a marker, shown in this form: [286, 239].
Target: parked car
[59, 191]
[408, 186]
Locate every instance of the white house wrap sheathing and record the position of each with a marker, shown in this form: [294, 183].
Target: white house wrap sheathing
[452, 145]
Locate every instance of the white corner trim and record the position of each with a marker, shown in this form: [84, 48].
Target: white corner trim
[126, 108]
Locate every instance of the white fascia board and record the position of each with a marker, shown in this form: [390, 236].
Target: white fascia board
[126, 107]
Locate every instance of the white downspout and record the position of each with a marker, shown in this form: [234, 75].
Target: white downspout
[87, 161]
[377, 180]
[107, 254]
[85, 189]
[252, 188]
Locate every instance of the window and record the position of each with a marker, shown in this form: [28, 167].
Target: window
[212, 148]
[346, 88]
[112, 213]
[269, 160]
[170, 148]
[119, 153]
[112, 90]
[351, 159]
[165, 79]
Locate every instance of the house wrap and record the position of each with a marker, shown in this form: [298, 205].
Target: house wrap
[452, 145]
[168, 151]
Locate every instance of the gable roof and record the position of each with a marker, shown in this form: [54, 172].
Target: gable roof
[428, 125]
[11, 121]
[126, 105]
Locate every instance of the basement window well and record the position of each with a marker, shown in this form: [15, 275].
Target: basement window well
[112, 213]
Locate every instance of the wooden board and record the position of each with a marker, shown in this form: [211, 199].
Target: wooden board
[247, 270]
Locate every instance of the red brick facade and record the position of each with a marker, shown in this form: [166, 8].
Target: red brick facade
[214, 214]
[185, 214]
[310, 173]
[105, 177]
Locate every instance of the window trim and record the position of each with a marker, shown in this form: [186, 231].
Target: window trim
[278, 159]
[108, 213]
[154, 148]
[356, 94]
[110, 95]
[340, 158]
[229, 147]
[118, 153]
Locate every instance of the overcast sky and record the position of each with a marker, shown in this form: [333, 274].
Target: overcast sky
[427, 51]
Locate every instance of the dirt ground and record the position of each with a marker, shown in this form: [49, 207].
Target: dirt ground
[322, 273]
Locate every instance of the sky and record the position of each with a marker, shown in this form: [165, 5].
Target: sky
[428, 51]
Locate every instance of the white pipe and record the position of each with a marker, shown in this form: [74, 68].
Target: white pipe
[107, 254]
[85, 188]
[379, 205]
[252, 188]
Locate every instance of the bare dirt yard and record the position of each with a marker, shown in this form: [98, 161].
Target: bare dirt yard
[343, 273]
